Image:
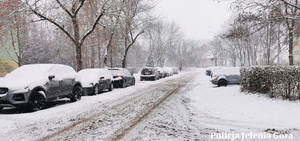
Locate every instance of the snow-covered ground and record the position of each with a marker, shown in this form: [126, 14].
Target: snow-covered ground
[196, 111]
[227, 110]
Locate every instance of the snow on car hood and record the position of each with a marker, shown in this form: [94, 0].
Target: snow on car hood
[21, 84]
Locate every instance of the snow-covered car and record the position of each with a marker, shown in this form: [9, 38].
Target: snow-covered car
[149, 74]
[162, 73]
[96, 80]
[31, 87]
[213, 69]
[122, 77]
[226, 76]
[175, 71]
[169, 71]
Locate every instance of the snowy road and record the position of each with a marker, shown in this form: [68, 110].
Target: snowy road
[108, 116]
[181, 107]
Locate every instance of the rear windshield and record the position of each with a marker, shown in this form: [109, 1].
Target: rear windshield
[115, 71]
[147, 71]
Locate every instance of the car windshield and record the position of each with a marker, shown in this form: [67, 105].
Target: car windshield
[30, 71]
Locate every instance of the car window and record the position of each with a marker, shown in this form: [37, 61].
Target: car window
[126, 72]
[62, 72]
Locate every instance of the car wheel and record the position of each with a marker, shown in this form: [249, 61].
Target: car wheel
[142, 79]
[96, 89]
[111, 87]
[77, 93]
[133, 83]
[37, 101]
[222, 82]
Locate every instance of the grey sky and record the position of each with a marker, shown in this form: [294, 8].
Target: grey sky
[199, 19]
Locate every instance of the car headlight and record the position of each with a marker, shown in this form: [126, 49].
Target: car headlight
[24, 90]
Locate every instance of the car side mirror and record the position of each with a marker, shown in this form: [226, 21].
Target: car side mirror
[101, 78]
[51, 77]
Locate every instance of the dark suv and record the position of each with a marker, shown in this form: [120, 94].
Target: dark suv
[149, 74]
[33, 86]
[122, 77]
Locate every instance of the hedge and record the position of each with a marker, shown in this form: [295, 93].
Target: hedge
[276, 82]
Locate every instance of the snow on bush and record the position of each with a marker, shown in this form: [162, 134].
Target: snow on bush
[277, 82]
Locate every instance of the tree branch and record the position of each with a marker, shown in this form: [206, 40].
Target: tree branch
[53, 22]
[64, 8]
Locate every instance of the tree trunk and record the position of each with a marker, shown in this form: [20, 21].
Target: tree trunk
[125, 58]
[291, 44]
[77, 43]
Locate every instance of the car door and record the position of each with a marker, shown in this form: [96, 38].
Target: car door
[68, 79]
[53, 85]
[102, 80]
[127, 76]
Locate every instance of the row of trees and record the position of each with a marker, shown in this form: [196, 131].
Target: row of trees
[95, 33]
[259, 33]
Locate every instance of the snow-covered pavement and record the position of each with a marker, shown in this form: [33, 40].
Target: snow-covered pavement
[181, 107]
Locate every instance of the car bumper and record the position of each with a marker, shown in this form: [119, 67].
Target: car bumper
[13, 99]
[214, 81]
[150, 77]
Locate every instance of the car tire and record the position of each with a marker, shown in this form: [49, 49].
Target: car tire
[111, 87]
[76, 94]
[37, 101]
[96, 89]
[222, 82]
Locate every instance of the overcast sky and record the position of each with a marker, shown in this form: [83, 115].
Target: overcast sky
[199, 19]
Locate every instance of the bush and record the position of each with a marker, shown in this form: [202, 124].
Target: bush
[276, 82]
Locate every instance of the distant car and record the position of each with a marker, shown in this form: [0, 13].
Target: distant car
[122, 77]
[175, 71]
[31, 87]
[96, 80]
[149, 74]
[162, 73]
[169, 71]
[226, 76]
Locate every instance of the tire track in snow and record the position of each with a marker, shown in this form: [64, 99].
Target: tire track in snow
[85, 127]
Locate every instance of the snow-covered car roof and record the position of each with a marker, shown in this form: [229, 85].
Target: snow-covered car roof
[228, 71]
[33, 70]
[119, 71]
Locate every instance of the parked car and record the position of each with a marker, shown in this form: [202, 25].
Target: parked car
[226, 76]
[175, 71]
[162, 73]
[96, 80]
[149, 74]
[122, 77]
[31, 87]
[213, 69]
[169, 71]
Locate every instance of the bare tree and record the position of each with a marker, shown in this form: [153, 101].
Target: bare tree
[73, 13]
